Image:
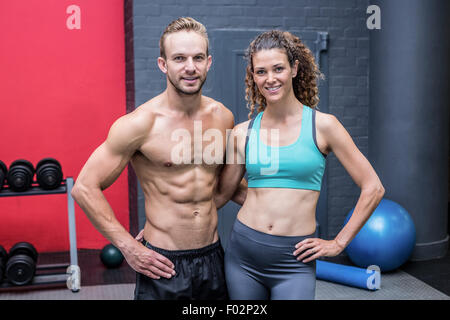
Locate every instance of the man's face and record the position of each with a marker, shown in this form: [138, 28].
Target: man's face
[186, 63]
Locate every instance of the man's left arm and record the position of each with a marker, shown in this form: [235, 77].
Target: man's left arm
[241, 192]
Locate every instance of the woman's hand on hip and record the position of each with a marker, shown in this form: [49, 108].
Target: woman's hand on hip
[313, 248]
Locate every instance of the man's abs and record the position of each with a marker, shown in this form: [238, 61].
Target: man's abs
[179, 206]
[181, 227]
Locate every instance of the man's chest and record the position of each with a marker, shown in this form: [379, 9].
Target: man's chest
[196, 142]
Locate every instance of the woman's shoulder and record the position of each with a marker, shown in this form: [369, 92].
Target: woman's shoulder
[326, 121]
[240, 129]
[242, 125]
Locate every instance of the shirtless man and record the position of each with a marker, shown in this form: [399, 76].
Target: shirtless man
[180, 256]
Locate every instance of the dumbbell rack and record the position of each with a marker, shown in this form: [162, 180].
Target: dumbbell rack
[44, 277]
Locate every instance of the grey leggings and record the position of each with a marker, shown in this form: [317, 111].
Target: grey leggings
[261, 266]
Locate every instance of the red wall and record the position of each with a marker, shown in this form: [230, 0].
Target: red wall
[60, 91]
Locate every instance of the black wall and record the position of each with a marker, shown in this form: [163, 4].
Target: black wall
[409, 114]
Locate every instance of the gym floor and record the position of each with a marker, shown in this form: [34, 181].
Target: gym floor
[427, 280]
[435, 273]
[93, 272]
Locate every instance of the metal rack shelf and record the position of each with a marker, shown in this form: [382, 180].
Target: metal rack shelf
[44, 277]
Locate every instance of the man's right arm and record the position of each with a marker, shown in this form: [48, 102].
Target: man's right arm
[103, 167]
[231, 184]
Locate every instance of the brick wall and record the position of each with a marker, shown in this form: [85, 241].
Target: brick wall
[348, 56]
[130, 106]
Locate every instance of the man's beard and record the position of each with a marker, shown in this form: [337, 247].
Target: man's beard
[181, 91]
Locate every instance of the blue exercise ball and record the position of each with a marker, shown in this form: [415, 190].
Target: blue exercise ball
[386, 240]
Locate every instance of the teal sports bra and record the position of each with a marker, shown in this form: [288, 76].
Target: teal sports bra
[299, 165]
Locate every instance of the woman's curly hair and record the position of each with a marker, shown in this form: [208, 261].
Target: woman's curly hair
[305, 84]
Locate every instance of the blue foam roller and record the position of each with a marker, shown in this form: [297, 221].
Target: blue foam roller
[348, 275]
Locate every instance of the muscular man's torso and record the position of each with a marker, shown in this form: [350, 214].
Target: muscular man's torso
[177, 166]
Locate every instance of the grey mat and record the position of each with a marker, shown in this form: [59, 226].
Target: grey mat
[394, 286]
[103, 292]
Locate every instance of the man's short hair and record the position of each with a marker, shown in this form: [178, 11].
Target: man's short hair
[183, 24]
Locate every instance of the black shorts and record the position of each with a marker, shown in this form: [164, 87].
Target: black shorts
[199, 276]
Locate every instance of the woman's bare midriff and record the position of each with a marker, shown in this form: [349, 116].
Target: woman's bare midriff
[280, 211]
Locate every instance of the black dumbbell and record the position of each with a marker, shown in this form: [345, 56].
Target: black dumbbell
[49, 173]
[3, 258]
[21, 265]
[20, 175]
[3, 172]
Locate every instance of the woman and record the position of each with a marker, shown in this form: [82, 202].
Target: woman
[271, 251]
